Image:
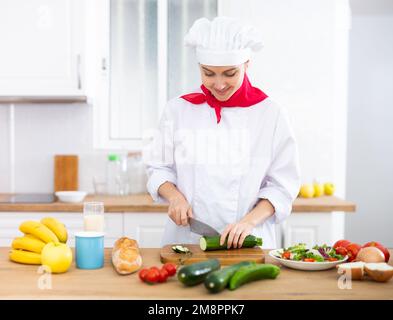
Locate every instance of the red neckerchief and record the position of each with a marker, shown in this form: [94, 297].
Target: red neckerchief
[245, 96]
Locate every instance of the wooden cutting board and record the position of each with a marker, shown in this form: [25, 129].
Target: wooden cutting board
[226, 257]
[66, 173]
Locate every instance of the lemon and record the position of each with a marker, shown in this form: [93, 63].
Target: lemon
[307, 191]
[329, 188]
[318, 189]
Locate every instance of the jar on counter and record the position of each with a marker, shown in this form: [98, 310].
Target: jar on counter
[136, 173]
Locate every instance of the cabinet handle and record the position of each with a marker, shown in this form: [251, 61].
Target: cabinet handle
[78, 71]
[103, 64]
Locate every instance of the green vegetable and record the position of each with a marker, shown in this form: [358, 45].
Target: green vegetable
[310, 255]
[218, 280]
[252, 273]
[332, 253]
[213, 243]
[197, 272]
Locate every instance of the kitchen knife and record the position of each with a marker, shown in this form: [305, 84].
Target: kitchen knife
[202, 228]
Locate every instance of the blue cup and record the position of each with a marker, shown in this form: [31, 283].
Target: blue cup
[89, 250]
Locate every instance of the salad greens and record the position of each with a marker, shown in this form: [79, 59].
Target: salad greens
[300, 252]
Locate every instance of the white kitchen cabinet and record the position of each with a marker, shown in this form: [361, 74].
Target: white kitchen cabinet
[146, 228]
[41, 47]
[308, 228]
[141, 64]
[9, 225]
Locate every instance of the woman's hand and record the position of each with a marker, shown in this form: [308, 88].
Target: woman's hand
[236, 233]
[179, 210]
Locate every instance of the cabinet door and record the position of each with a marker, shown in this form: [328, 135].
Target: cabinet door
[308, 228]
[41, 47]
[146, 228]
[9, 225]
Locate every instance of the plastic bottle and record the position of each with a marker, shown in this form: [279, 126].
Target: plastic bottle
[113, 168]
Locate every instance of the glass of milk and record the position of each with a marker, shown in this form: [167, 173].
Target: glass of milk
[93, 216]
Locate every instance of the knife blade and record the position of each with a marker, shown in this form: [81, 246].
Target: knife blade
[202, 228]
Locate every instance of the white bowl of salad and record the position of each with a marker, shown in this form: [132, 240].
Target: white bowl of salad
[302, 257]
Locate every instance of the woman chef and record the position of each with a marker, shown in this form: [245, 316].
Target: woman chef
[225, 154]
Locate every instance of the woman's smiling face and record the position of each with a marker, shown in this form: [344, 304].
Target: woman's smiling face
[223, 81]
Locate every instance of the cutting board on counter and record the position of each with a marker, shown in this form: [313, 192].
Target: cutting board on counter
[66, 173]
[226, 257]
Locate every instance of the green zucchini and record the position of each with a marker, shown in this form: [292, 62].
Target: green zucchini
[251, 273]
[216, 281]
[213, 243]
[197, 272]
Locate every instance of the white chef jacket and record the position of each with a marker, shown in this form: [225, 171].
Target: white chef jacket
[224, 169]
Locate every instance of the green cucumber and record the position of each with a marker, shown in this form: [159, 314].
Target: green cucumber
[180, 249]
[197, 272]
[216, 281]
[251, 273]
[213, 243]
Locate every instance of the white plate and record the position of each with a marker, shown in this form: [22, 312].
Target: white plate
[71, 196]
[301, 265]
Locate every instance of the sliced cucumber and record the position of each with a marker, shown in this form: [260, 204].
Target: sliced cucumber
[180, 249]
[213, 243]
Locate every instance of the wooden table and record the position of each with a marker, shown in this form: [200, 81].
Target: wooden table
[144, 203]
[21, 282]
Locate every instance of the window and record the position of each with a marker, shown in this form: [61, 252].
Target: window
[144, 63]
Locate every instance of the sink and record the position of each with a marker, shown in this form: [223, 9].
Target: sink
[28, 198]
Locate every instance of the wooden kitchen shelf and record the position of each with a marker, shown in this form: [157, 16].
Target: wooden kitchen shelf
[42, 99]
[144, 203]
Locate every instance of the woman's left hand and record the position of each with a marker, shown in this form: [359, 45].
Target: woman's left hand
[236, 233]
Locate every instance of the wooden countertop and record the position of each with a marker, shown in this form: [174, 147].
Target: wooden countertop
[144, 203]
[21, 282]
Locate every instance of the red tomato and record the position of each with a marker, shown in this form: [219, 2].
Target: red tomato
[163, 275]
[286, 255]
[309, 260]
[380, 247]
[143, 273]
[341, 243]
[353, 250]
[342, 251]
[152, 275]
[332, 259]
[154, 268]
[170, 268]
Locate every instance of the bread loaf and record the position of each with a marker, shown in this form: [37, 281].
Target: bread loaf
[126, 258]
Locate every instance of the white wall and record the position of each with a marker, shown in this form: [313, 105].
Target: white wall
[370, 124]
[4, 149]
[303, 66]
[40, 132]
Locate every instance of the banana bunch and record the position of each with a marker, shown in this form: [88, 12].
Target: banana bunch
[27, 249]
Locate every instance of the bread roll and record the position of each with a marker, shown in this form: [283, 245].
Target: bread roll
[126, 258]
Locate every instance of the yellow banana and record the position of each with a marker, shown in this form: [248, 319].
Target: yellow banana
[29, 244]
[57, 228]
[25, 257]
[38, 230]
[30, 236]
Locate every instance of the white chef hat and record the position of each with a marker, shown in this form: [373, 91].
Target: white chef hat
[222, 42]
